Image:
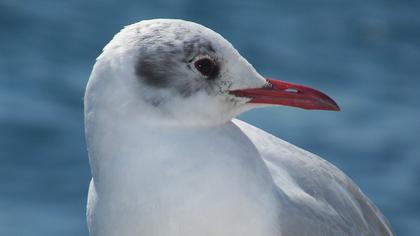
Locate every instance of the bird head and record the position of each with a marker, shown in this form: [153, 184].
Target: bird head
[180, 72]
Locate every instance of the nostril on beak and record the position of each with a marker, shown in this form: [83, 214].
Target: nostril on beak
[292, 90]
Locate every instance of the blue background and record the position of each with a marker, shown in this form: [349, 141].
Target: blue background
[365, 54]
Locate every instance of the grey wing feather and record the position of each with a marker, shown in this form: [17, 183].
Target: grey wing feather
[315, 197]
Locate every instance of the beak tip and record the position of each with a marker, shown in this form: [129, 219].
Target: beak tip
[336, 107]
[333, 106]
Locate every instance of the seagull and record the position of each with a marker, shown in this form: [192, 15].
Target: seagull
[168, 157]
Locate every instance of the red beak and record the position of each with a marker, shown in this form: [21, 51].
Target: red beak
[284, 93]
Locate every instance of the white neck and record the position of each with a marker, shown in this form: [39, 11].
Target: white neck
[173, 175]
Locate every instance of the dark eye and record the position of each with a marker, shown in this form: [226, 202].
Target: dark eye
[206, 66]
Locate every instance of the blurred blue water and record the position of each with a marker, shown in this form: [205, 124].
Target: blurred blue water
[365, 54]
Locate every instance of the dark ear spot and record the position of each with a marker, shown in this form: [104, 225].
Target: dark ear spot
[150, 73]
[161, 63]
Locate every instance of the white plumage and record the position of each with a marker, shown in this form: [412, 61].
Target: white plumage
[168, 160]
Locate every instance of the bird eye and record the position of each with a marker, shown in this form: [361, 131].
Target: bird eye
[205, 66]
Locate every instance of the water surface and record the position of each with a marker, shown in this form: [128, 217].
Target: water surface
[365, 54]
